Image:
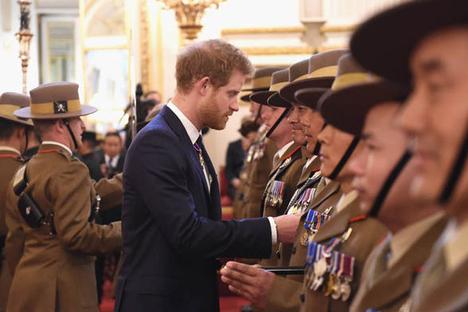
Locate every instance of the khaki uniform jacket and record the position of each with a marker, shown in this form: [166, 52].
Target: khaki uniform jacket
[285, 293]
[287, 170]
[385, 289]
[254, 177]
[9, 164]
[442, 287]
[365, 236]
[450, 294]
[56, 273]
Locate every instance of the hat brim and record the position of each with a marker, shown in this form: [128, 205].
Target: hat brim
[275, 100]
[26, 113]
[246, 97]
[26, 122]
[384, 43]
[261, 97]
[346, 109]
[310, 97]
[288, 91]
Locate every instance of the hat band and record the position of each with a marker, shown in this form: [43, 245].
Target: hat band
[56, 107]
[8, 109]
[347, 80]
[327, 71]
[278, 86]
[261, 82]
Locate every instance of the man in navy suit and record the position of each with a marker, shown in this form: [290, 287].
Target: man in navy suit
[171, 216]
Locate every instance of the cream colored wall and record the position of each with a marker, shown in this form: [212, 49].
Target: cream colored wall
[10, 64]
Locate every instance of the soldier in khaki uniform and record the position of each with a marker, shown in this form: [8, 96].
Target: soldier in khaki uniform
[56, 270]
[13, 142]
[259, 159]
[337, 252]
[279, 293]
[383, 177]
[432, 56]
[287, 162]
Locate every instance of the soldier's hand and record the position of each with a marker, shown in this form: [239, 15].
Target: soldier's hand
[286, 227]
[248, 281]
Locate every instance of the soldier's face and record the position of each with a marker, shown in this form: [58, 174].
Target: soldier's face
[383, 145]
[437, 110]
[77, 126]
[254, 108]
[313, 123]
[297, 128]
[334, 144]
[220, 103]
[284, 128]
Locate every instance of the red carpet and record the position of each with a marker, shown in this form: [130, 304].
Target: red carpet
[227, 303]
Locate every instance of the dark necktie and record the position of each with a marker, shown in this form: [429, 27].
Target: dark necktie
[198, 146]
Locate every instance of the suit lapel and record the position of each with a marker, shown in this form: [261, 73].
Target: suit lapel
[339, 222]
[174, 123]
[330, 189]
[313, 167]
[283, 158]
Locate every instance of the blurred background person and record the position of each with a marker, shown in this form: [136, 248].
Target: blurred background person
[236, 153]
[88, 155]
[113, 157]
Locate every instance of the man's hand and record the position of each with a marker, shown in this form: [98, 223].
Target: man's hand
[248, 281]
[286, 226]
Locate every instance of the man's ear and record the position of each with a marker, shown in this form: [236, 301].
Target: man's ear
[203, 85]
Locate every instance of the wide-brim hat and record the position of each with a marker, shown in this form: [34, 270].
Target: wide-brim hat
[11, 102]
[318, 71]
[260, 81]
[310, 97]
[279, 79]
[384, 43]
[57, 100]
[348, 108]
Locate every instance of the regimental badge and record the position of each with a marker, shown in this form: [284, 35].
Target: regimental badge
[60, 107]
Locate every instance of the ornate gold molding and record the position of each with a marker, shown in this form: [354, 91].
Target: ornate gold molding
[337, 28]
[262, 30]
[278, 50]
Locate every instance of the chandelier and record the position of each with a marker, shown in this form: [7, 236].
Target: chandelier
[189, 14]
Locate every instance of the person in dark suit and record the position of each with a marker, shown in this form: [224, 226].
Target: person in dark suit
[171, 214]
[113, 158]
[236, 154]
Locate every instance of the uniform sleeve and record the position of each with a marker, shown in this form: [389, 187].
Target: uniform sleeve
[158, 175]
[284, 295]
[111, 191]
[14, 244]
[71, 202]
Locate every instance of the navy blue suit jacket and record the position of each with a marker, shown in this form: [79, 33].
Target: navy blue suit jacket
[172, 228]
